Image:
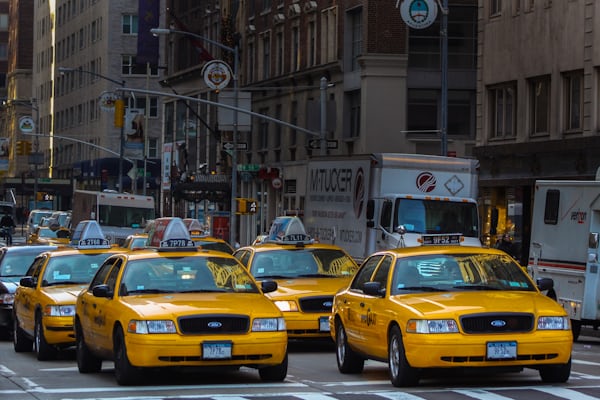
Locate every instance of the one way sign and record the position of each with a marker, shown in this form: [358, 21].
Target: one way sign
[315, 144]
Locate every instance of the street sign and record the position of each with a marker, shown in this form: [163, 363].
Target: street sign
[240, 146]
[315, 144]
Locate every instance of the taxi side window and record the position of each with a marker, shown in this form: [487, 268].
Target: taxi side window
[102, 273]
[111, 281]
[243, 256]
[364, 274]
[36, 267]
[381, 275]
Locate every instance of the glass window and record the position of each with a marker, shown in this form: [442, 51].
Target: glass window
[574, 100]
[364, 274]
[355, 19]
[540, 105]
[129, 24]
[502, 108]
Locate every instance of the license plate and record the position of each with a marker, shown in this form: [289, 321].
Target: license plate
[216, 350]
[324, 324]
[501, 350]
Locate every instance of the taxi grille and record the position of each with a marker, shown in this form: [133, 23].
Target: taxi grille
[497, 323]
[318, 304]
[215, 324]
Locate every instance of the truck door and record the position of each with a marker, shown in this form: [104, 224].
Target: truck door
[591, 298]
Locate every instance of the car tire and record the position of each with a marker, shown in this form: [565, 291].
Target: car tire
[575, 328]
[401, 373]
[125, 373]
[43, 350]
[21, 342]
[87, 362]
[555, 373]
[347, 360]
[275, 373]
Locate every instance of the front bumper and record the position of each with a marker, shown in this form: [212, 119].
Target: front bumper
[307, 325]
[59, 331]
[165, 350]
[458, 350]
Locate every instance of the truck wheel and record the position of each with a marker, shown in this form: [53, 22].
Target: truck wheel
[125, 373]
[347, 360]
[556, 373]
[276, 373]
[43, 350]
[401, 373]
[576, 328]
[21, 342]
[87, 362]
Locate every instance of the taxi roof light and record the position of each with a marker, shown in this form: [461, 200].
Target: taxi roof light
[288, 230]
[170, 233]
[89, 235]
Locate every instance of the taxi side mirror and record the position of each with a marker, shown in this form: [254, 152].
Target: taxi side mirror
[373, 289]
[545, 284]
[101, 291]
[268, 286]
[27, 281]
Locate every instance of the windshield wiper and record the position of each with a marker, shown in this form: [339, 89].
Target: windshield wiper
[272, 277]
[135, 291]
[423, 288]
[201, 291]
[315, 276]
[477, 287]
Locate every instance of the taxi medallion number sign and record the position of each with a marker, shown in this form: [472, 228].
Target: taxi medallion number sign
[216, 350]
[501, 350]
[441, 239]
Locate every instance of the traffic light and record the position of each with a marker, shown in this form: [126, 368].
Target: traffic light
[242, 205]
[20, 147]
[119, 113]
[27, 147]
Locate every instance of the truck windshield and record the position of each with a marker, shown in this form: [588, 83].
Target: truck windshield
[434, 216]
[124, 216]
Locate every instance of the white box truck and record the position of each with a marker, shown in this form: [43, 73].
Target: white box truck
[565, 232]
[119, 214]
[359, 202]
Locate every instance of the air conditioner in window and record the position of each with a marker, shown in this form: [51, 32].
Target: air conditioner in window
[310, 6]
[278, 18]
[294, 10]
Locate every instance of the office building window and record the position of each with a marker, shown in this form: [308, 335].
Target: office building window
[355, 22]
[574, 100]
[495, 7]
[539, 103]
[502, 107]
[129, 24]
[130, 67]
[266, 56]
[329, 35]
[295, 62]
[140, 103]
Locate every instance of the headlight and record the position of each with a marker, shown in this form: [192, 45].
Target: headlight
[60, 310]
[286, 305]
[268, 324]
[432, 326]
[7, 298]
[553, 323]
[145, 327]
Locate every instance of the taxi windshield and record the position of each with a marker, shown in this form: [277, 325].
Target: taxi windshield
[185, 275]
[304, 262]
[213, 245]
[72, 269]
[461, 272]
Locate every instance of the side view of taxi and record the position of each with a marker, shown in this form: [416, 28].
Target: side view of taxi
[430, 307]
[44, 304]
[308, 275]
[174, 305]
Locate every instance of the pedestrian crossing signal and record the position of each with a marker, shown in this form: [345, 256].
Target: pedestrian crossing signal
[246, 206]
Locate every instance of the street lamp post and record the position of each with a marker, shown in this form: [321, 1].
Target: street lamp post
[235, 51]
[62, 70]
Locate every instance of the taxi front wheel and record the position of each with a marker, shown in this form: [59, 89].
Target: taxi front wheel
[125, 373]
[401, 373]
[21, 342]
[87, 362]
[276, 373]
[43, 349]
[347, 360]
[556, 373]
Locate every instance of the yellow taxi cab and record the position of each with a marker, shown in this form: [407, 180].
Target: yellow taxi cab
[174, 305]
[308, 274]
[44, 303]
[203, 241]
[135, 241]
[453, 306]
[49, 235]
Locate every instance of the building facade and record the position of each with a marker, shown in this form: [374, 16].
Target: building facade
[538, 108]
[382, 91]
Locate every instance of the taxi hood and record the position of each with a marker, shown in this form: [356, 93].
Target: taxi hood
[64, 294]
[176, 305]
[294, 287]
[434, 305]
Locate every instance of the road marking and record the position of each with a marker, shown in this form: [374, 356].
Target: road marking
[566, 393]
[398, 396]
[481, 394]
[5, 371]
[583, 362]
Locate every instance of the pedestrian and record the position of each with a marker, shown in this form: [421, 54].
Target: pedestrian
[505, 244]
[7, 224]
